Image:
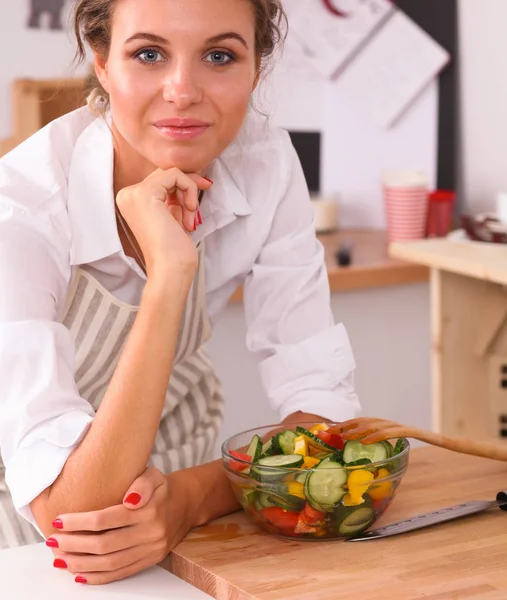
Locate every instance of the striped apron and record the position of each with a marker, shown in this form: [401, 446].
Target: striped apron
[193, 410]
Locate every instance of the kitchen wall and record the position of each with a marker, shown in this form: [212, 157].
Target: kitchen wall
[484, 101]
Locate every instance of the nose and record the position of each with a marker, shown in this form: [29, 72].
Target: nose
[181, 85]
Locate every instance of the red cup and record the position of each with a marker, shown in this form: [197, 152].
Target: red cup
[440, 213]
[406, 204]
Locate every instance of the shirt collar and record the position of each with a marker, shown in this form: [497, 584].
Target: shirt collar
[91, 195]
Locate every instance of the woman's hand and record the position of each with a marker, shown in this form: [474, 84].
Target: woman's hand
[108, 545]
[160, 211]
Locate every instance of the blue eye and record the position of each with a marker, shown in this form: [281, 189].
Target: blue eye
[220, 57]
[149, 56]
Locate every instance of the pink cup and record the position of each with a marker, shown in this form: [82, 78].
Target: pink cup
[406, 204]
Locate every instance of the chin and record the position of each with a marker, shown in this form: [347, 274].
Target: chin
[185, 160]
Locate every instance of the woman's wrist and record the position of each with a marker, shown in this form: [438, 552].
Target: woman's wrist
[206, 491]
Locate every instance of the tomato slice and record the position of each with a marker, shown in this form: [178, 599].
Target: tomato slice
[281, 518]
[238, 466]
[332, 439]
[310, 516]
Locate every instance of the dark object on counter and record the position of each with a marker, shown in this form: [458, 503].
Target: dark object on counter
[484, 228]
[344, 254]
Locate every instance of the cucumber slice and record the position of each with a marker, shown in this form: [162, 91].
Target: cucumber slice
[313, 503]
[248, 497]
[389, 448]
[255, 448]
[301, 477]
[264, 471]
[356, 521]
[325, 485]
[401, 444]
[268, 449]
[286, 441]
[264, 501]
[354, 450]
[314, 440]
[359, 463]
[292, 503]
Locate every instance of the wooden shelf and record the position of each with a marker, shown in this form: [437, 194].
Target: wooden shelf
[371, 266]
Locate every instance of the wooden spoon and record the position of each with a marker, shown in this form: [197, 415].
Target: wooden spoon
[371, 430]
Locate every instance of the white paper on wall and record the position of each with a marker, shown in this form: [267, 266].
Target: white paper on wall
[325, 42]
[392, 70]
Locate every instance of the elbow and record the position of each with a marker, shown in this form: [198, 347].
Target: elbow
[43, 513]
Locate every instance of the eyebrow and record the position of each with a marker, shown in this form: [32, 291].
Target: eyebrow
[157, 39]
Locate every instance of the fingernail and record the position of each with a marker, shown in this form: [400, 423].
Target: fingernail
[58, 524]
[207, 179]
[52, 543]
[80, 579]
[199, 217]
[59, 563]
[133, 498]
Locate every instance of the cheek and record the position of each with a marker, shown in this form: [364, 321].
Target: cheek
[129, 91]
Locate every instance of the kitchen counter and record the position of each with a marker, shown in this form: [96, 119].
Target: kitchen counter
[371, 267]
[231, 559]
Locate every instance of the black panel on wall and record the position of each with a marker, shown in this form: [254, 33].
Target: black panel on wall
[440, 19]
[308, 148]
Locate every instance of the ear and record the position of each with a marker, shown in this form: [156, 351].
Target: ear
[100, 64]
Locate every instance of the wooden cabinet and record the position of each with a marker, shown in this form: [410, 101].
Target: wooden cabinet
[469, 333]
[35, 103]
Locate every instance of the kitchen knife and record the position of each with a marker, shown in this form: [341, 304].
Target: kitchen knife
[432, 518]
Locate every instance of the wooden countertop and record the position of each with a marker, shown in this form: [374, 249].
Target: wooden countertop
[475, 259]
[231, 559]
[371, 266]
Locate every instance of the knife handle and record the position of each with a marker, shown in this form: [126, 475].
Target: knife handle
[501, 498]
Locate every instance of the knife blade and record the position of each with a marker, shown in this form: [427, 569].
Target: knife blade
[433, 518]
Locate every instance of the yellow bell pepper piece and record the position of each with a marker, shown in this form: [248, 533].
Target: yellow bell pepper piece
[310, 462]
[301, 445]
[382, 490]
[296, 488]
[319, 427]
[358, 483]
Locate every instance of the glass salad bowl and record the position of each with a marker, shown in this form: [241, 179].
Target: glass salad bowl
[302, 481]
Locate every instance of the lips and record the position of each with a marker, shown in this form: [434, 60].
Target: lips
[181, 129]
[181, 123]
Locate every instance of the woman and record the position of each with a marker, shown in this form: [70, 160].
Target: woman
[122, 236]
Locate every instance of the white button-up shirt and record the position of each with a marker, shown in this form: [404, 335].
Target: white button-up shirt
[57, 212]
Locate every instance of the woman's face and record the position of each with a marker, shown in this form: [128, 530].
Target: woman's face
[180, 74]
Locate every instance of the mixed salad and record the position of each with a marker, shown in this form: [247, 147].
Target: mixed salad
[313, 483]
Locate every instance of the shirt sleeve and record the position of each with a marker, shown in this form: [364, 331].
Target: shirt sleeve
[42, 416]
[305, 360]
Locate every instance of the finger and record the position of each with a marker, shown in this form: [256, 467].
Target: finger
[142, 489]
[91, 563]
[359, 432]
[177, 213]
[99, 520]
[173, 179]
[103, 577]
[98, 543]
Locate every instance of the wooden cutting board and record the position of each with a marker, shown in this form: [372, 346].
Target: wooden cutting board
[230, 559]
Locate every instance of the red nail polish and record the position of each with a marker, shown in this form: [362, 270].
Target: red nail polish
[52, 543]
[80, 579]
[57, 524]
[133, 498]
[59, 563]
[199, 217]
[207, 179]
